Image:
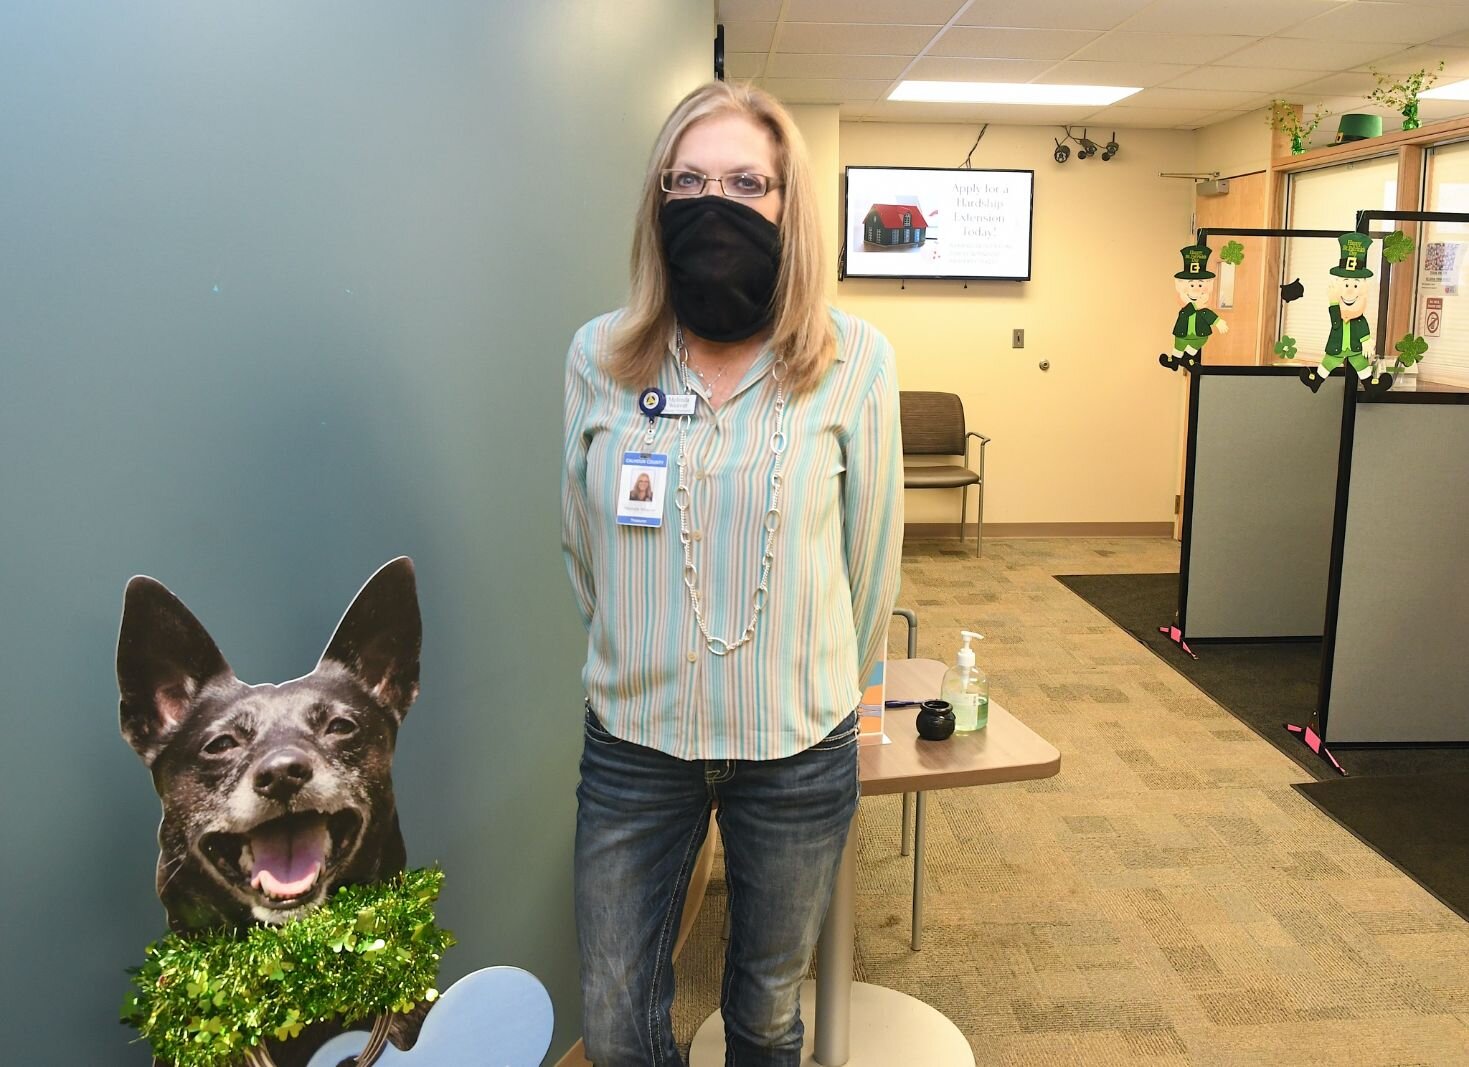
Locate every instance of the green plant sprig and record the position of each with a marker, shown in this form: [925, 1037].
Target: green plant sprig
[1283, 118]
[1396, 95]
[206, 999]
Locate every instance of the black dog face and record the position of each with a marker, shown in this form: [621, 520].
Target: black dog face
[273, 795]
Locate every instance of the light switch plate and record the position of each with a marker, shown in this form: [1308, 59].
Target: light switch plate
[1017, 339]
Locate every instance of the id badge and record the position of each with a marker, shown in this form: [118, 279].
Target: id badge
[640, 489]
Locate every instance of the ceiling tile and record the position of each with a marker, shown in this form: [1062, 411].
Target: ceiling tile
[1196, 99]
[748, 36]
[1120, 118]
[904, 12]
[973, 114]
[1299, 53]
[1437, 110]
[1384, 23]
[747, 11]
[831, 38]
[1455, 40]
[1424, 57]
[742, 66]
[1078, 72]
[824, 90]
[953, 69]
[1011, 44]
[801, 65]
[1051, 14]
[1350, 83]
[1249, 18]
[1243, 79]
[1192, 49]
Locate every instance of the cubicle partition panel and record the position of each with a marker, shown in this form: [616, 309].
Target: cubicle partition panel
[1260, 499]
[1396, 651]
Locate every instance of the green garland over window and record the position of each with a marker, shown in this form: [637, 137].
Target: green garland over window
[205, 1000]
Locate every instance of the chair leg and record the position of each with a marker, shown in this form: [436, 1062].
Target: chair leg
[963, 510]
[979, 525]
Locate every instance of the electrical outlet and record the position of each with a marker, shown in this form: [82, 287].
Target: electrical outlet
[1017, 339]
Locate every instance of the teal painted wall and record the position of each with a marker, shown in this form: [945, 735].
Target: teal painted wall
[285, 291]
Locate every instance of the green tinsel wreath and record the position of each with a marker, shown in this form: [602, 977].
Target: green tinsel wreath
[205, 1000]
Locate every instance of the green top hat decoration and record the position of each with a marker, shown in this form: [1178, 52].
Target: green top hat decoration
[1195, 262]
[1353, 256]
[1358, 128]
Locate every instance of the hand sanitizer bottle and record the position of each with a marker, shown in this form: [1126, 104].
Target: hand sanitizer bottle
[967, 689]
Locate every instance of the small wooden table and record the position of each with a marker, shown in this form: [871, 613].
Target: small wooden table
[888, 1027]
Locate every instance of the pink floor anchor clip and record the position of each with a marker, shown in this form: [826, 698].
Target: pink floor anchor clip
[1176, 636]
[1315, 743]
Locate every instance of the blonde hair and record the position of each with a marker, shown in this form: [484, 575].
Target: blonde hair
[801, 324]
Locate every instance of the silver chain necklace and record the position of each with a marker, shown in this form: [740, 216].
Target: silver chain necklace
[709, 383]
[683, 500]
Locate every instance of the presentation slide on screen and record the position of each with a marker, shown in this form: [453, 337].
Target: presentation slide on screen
[915, 223]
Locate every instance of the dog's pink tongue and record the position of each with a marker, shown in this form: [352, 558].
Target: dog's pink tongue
[289, 855]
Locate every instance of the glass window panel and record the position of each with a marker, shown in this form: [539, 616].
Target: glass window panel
[1441, 307]
[1329, 199]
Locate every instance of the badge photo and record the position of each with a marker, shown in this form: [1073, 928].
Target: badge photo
[640, 489]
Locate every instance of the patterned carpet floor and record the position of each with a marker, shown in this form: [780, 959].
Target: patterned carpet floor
[1167, 899]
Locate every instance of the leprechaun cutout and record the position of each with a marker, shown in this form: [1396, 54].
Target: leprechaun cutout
[1350, 293]
[1196, 321]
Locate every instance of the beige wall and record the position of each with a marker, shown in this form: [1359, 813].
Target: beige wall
[1094, 439]
[1239, 146]
[821, 129]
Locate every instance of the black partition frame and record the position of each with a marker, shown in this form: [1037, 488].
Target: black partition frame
[1190, 485]
[1344, 465]
[1180, 618]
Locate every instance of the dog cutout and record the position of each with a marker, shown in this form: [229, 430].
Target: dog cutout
[272, 794]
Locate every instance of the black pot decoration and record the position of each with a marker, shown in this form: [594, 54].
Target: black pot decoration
[935, 720]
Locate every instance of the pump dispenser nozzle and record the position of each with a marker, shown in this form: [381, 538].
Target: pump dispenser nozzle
[965, 657]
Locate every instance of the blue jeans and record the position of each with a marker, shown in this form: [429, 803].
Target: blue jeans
[642, 816]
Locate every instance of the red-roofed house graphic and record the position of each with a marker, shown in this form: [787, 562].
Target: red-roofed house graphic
[892, 225]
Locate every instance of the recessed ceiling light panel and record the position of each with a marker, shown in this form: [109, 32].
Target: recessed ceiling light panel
[1011, 93]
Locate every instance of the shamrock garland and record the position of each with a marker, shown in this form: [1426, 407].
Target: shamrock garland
[1410, 350]
[1233, 253]
[1397, 246]
[206, 1000]
[1285, 348]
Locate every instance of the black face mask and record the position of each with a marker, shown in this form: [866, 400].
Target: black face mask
[723, 259]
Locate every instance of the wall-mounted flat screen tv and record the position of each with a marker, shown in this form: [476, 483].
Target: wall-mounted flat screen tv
[933, 222]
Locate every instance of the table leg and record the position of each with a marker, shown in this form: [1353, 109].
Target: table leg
[920, 827]
[907, 819]
[834, 954]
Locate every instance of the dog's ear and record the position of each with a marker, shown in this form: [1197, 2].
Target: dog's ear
[379, 638]
[164, 657]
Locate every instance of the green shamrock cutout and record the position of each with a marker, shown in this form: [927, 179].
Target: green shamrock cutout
[1285, 348]
[1233, 253]
[1410, 349]
[1397, 246]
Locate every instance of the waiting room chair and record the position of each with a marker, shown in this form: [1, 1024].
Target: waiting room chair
[933, 425]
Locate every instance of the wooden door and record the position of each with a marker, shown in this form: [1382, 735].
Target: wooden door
[1243, 207]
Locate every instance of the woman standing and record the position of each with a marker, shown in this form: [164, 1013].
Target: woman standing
[729, 634]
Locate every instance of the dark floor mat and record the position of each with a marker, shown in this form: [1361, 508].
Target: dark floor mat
[1263, 684]
[1418, 822]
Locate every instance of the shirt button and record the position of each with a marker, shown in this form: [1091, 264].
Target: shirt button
[699, 475]
[693, 657]
[698, 535]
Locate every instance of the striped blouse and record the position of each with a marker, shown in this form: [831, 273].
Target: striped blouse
[834, 579]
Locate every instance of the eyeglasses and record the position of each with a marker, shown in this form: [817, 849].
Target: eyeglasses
[692, 183]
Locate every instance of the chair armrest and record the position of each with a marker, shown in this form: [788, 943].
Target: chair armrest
[912, 621]
[983, 440]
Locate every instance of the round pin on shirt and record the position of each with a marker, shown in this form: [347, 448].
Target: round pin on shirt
[652, 401]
